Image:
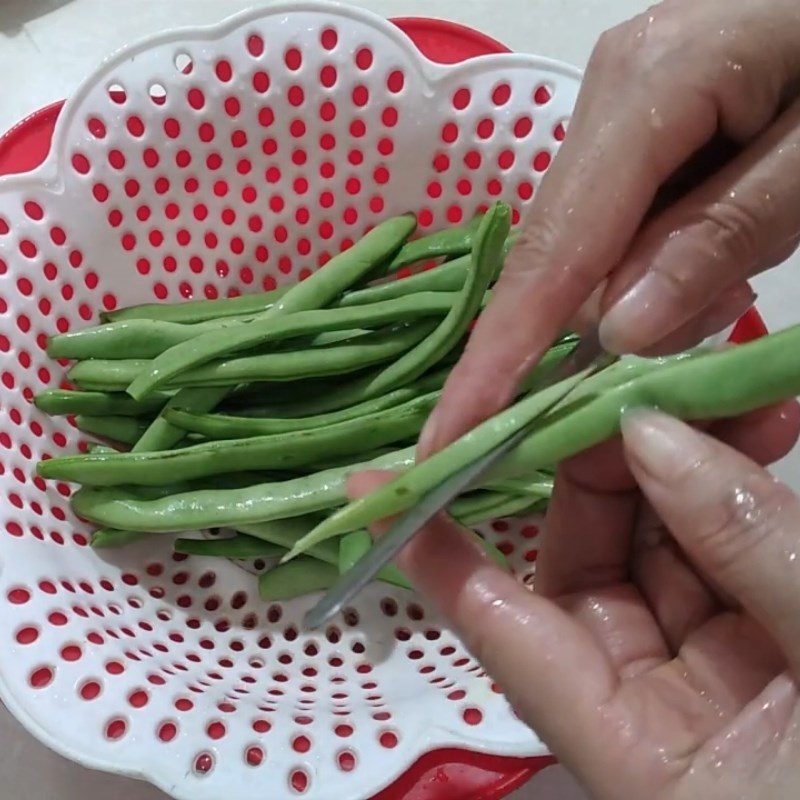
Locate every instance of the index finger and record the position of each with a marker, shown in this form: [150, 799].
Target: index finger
[629, 132]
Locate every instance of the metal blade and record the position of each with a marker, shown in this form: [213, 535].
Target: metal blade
[588, 352]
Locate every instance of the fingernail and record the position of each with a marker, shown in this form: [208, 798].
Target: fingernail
[641, 317]
[664, 447]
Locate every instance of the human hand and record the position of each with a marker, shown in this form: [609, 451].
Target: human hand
[660, 655]
[660, 94]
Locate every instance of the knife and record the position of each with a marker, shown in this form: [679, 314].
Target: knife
[588, 355]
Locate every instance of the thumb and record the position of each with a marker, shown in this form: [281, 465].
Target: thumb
[541, 657]
[732, 518]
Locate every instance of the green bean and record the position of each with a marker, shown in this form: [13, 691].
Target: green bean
[286, 532]
[199, 310]
[162, 434]
[233, 480]
[345, 269]
[308, 575]
[126, 430]
[318, 361]
[222, 426]
[447, 277]
[267, 505]
[134, 338]
[350, 395]
[108, 538]
[447, 242]
[239, 546]
[202, 349]
[277, 451]
[64, 401]
[117, 507]
[353, 546]
[216, 426]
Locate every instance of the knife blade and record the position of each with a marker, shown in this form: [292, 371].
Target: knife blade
[589, 355]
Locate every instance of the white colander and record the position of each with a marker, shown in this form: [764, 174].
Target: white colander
[204, 163]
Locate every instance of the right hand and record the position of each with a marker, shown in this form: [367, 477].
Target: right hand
[660, 655]
[657, 91]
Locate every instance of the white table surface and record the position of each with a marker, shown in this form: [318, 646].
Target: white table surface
[50, 45]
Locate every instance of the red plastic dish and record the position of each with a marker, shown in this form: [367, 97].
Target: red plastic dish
[449, 774]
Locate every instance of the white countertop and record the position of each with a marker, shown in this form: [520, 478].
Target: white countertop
[50, 45]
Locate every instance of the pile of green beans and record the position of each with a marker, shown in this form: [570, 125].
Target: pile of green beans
[248, 413]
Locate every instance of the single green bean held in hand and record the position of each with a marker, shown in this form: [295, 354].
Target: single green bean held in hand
[335, 359]
[215, 344]
[409, 488]
[278, 451]
[699, 385]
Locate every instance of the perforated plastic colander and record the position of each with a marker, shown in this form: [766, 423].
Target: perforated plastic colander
[204, 163]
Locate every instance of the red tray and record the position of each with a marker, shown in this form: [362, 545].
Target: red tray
[449, 774]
